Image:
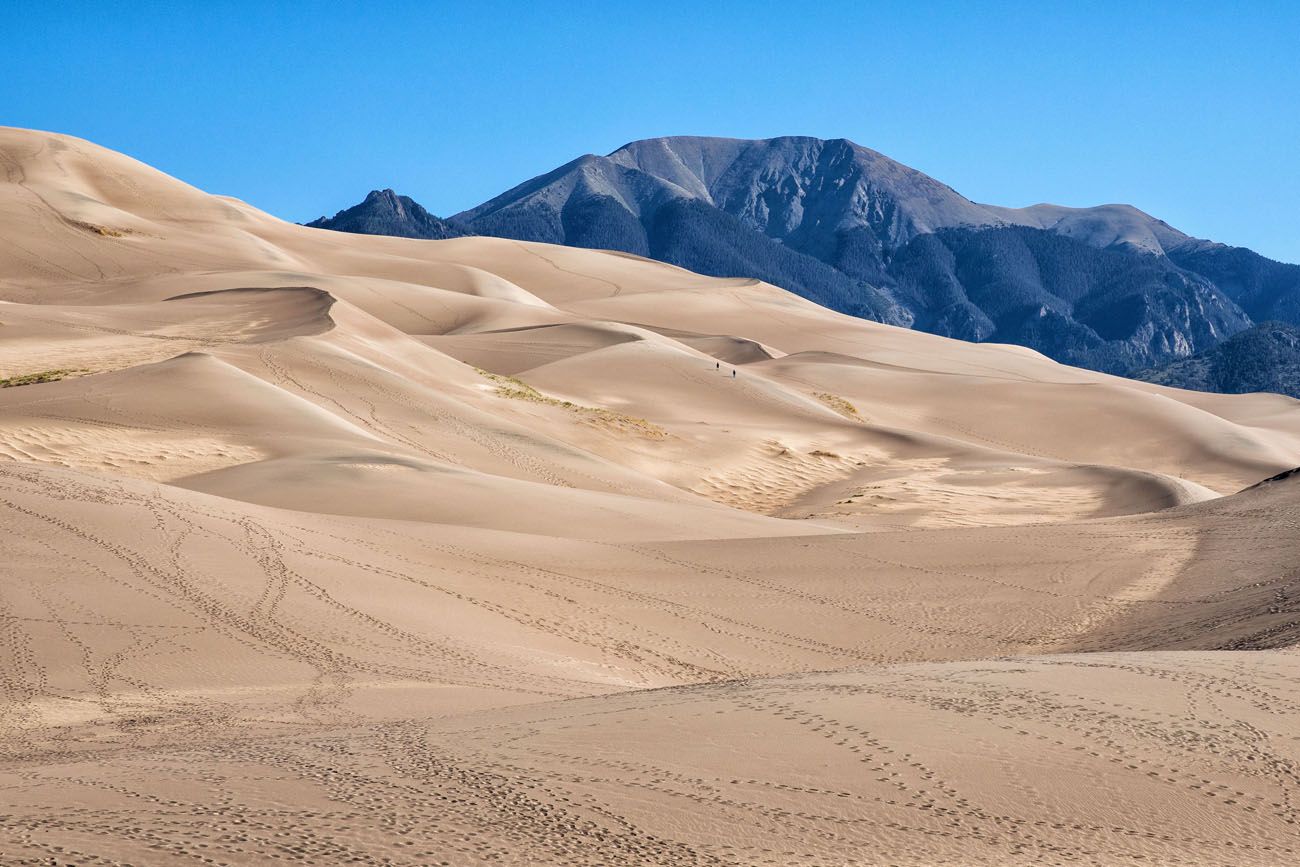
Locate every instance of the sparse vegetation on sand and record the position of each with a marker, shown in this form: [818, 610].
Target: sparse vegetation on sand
[839, 404]
[105, 231]
[517, 389]
[37, 378]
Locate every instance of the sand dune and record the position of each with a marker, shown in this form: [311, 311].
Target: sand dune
[327, 548]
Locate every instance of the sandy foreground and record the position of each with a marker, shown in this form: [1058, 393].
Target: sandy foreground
[333, 549]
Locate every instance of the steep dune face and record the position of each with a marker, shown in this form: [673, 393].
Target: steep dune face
[330, 547]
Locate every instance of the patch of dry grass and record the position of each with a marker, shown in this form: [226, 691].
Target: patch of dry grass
[597, 416]
[840, 405]
[104, 231]
[37, 378]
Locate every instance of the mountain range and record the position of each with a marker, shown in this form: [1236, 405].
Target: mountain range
[1109, 288]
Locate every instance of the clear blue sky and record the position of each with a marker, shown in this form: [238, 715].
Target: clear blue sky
[1188, 110]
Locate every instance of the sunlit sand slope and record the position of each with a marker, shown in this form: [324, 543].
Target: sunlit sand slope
[324, 548]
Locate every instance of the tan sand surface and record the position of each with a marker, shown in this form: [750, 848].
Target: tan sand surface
[323, 548]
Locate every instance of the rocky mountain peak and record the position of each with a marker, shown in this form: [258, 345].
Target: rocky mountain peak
[384, 212]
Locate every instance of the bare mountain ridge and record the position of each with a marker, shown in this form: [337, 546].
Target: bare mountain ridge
[782, 185]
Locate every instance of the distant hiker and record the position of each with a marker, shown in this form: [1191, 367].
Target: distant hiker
[717, 365]
[733, 373]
